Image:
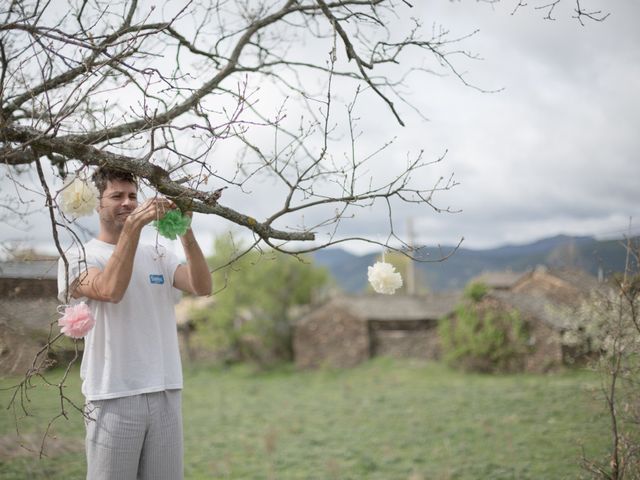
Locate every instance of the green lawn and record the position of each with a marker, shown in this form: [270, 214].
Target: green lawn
[383, 420]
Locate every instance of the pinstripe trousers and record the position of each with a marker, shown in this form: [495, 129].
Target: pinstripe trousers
[135, 438]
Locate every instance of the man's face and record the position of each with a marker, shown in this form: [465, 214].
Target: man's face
[118, 200]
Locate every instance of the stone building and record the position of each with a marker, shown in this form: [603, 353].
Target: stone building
[346, 330]
[28, 309]
[543, 299]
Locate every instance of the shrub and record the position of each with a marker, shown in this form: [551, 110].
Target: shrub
[476, 291]
[257, 291]
[484, 339]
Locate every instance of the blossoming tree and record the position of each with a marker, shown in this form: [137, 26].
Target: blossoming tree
[606, 329]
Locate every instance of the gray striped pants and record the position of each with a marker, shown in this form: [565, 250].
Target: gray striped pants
[136, 437]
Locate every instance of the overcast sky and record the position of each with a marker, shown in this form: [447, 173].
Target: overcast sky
[554, 151]
[557, 150]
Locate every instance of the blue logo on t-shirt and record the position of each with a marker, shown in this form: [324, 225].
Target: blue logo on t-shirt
[158, 279]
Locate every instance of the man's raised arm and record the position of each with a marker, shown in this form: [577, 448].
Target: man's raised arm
[110, 284]
[194, 277]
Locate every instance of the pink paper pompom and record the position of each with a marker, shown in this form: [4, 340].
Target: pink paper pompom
[76, 321]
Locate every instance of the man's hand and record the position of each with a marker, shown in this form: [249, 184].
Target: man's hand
[152, 209]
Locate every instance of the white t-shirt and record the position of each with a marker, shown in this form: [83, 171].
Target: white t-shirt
[133, 347]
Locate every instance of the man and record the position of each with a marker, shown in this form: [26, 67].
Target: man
[131, 370]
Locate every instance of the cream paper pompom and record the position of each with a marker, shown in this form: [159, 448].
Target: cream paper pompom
[79, 197]
[384, 278]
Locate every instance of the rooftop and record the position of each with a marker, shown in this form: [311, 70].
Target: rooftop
[499, 279]
[552, 313]
[35, 269]
[399, 307]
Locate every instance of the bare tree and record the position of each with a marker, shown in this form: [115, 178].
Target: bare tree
[190, 77]
[156, 91]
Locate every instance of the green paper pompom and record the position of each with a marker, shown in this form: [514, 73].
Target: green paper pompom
[173, 224]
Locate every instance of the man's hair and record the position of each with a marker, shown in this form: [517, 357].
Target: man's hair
[104, 175]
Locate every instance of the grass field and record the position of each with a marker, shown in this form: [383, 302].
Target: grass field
[386, 419]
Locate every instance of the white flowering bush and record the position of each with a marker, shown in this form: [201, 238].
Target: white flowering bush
[79, 197]
[384, 278]
[607, 327]
[603, 325]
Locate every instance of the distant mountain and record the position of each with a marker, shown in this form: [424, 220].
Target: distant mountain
[350, 271]
[587, 253]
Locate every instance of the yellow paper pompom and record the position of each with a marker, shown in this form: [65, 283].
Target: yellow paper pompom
[79, 197]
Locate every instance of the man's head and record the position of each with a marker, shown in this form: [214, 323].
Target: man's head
[103, 175]
[118, 198]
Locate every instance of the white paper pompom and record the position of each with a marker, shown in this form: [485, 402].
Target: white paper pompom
[79, 197]
[384, 278]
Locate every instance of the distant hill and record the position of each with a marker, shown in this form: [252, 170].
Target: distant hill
[587, 253]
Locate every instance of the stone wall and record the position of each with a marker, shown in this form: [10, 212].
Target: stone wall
[330, 336]
[423, 344]
[27, 288]
[405, 339]
[28, 315]
[546, 348]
